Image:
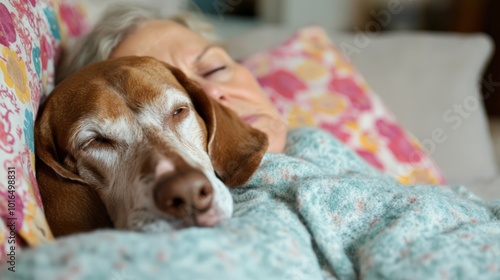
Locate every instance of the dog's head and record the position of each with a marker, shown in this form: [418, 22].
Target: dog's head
[133, 143]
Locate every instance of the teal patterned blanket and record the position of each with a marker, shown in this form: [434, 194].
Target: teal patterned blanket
[318, 212]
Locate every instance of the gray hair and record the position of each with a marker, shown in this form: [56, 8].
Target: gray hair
[115, 24]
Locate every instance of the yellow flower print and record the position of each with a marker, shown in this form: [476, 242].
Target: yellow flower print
[418, 176]
[263, 66]
[300, 117]
[32, 160]
[45, 88]
[353, 125]
[364, 86]
[415, 143]
[2, 237]
[368, 142]
[328, 104]
[14, 72]
[314, 35]
[313, 49]
[342, 65]
[311, 70]
[35, 229]
[314, 40]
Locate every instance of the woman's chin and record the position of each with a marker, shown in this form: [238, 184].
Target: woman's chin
[276, 147]
[277, 138]
[276, 130]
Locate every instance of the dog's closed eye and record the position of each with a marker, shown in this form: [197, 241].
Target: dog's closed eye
[99, 141]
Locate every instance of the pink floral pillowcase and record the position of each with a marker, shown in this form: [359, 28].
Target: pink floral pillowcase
[31, 33]
[313, 84]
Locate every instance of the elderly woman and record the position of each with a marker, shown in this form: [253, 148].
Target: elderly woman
[182, 41]
[318, 212]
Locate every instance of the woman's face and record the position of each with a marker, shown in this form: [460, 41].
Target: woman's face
[226, 81]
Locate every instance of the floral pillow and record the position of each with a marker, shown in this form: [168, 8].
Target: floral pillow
[312, 83]
[30, 41]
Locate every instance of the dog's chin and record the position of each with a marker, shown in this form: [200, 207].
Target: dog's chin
[161, 225]
[149, 219]
[158, 225]
[168, 224]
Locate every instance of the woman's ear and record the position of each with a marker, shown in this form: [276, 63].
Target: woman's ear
[235, 148]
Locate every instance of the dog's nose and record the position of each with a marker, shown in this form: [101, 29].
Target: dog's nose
[186, 194]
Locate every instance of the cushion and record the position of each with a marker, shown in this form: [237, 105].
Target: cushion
[312, 83]
[431, 82]
[31, 33]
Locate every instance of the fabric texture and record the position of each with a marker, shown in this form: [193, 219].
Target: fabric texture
[312, 83]
[318, 212]
[31, 33]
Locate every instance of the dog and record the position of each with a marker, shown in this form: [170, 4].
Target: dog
[132, 143]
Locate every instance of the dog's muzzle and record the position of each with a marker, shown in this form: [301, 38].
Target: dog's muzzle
[186, 195]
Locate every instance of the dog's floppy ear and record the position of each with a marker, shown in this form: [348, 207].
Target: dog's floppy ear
[45, 142]
[235, 148]
[70, 205]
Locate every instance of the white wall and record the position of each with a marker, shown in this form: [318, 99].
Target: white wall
[335, 14]
[95, 8]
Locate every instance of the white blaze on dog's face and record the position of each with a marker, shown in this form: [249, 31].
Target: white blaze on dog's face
[124, 156]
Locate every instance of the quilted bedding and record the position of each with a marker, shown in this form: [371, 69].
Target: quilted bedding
[318, 212]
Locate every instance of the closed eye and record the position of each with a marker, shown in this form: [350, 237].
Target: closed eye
[206, 74]
[99, 141]
[102, 140]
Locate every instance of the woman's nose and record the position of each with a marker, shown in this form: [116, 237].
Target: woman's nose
[214, 91]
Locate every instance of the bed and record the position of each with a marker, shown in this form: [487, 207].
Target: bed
[281, 230]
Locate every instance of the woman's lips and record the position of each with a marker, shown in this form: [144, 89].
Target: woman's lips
[249, 119]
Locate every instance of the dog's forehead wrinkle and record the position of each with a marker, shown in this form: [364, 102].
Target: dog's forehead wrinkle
[119, 128]
[104, 104]
[135, 85]
[143, 84]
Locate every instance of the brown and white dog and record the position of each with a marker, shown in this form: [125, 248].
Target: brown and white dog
[132, 143]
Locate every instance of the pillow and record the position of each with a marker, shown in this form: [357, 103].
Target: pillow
[312, 83]
[431, 82]
[30, 39]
